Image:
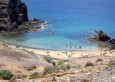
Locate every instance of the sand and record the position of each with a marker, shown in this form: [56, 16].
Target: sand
[70, 54]
[18, 60]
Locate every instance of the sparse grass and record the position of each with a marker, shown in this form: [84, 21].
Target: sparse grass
[50, 69]
[89, 64]
[99, 60]
[47, 58]
[20, 76]
[55, 69]
[65, 67]
[5, 44]
[78, 66]
[6, 74]
[60, 63]
[35, 75]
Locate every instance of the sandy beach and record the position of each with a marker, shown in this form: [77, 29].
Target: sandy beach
[70, 54]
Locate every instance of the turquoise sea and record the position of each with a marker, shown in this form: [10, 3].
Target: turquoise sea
[70, 22]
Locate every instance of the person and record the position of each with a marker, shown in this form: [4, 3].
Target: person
[54, 62]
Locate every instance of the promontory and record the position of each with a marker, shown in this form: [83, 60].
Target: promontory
[14, 17]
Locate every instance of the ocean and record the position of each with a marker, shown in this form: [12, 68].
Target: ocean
[70, 23]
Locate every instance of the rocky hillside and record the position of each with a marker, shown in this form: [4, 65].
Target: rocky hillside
[13, 13]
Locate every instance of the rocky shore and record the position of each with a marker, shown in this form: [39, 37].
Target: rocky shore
[14, 17]
[104, 41]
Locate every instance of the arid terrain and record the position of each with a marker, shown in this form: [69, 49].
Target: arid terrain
[28, 66]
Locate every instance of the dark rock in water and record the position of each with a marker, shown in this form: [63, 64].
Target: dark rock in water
[104, 41]
[14, 16]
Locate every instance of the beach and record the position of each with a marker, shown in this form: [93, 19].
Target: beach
[27, 61]
[61, 54]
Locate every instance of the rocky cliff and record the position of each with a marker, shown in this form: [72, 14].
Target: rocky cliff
[14, 17]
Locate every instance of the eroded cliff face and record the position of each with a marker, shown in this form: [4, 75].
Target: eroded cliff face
[14, 17]
[17, 11]
[12, 14]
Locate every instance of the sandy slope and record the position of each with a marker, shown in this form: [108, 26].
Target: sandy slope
[17, 59]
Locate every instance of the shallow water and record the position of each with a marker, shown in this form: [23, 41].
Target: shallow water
[71, 21]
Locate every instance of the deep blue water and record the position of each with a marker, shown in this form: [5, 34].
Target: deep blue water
[71, 20]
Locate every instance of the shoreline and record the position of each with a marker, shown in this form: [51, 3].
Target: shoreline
[64, 54]
[84, 49]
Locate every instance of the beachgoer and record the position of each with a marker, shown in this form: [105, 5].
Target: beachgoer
[79, 48]
[66, 53]
[54, 62]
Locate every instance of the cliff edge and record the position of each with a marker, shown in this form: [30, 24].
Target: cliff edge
[14, 17]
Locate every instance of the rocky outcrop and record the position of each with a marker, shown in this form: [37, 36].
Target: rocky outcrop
[104, 41]
[13, 15]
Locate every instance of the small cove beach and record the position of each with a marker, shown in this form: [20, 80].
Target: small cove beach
[61, 54]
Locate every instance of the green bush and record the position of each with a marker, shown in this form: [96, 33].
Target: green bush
[6, 74]
[60, 62]
[35, 75]
[89, 64]
[47, 58]
[50, 69]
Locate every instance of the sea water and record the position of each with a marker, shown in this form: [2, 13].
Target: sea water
[70, 22]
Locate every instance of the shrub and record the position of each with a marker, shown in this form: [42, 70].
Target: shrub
[111, 62]
[6, 74]
[50, 69]
[48, 59]
[65, 67]
[35, 75]
[98, 60]
[60, 63]
[89, 64]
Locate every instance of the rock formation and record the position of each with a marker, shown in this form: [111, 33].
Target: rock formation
[104, 41]
[14, 17]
